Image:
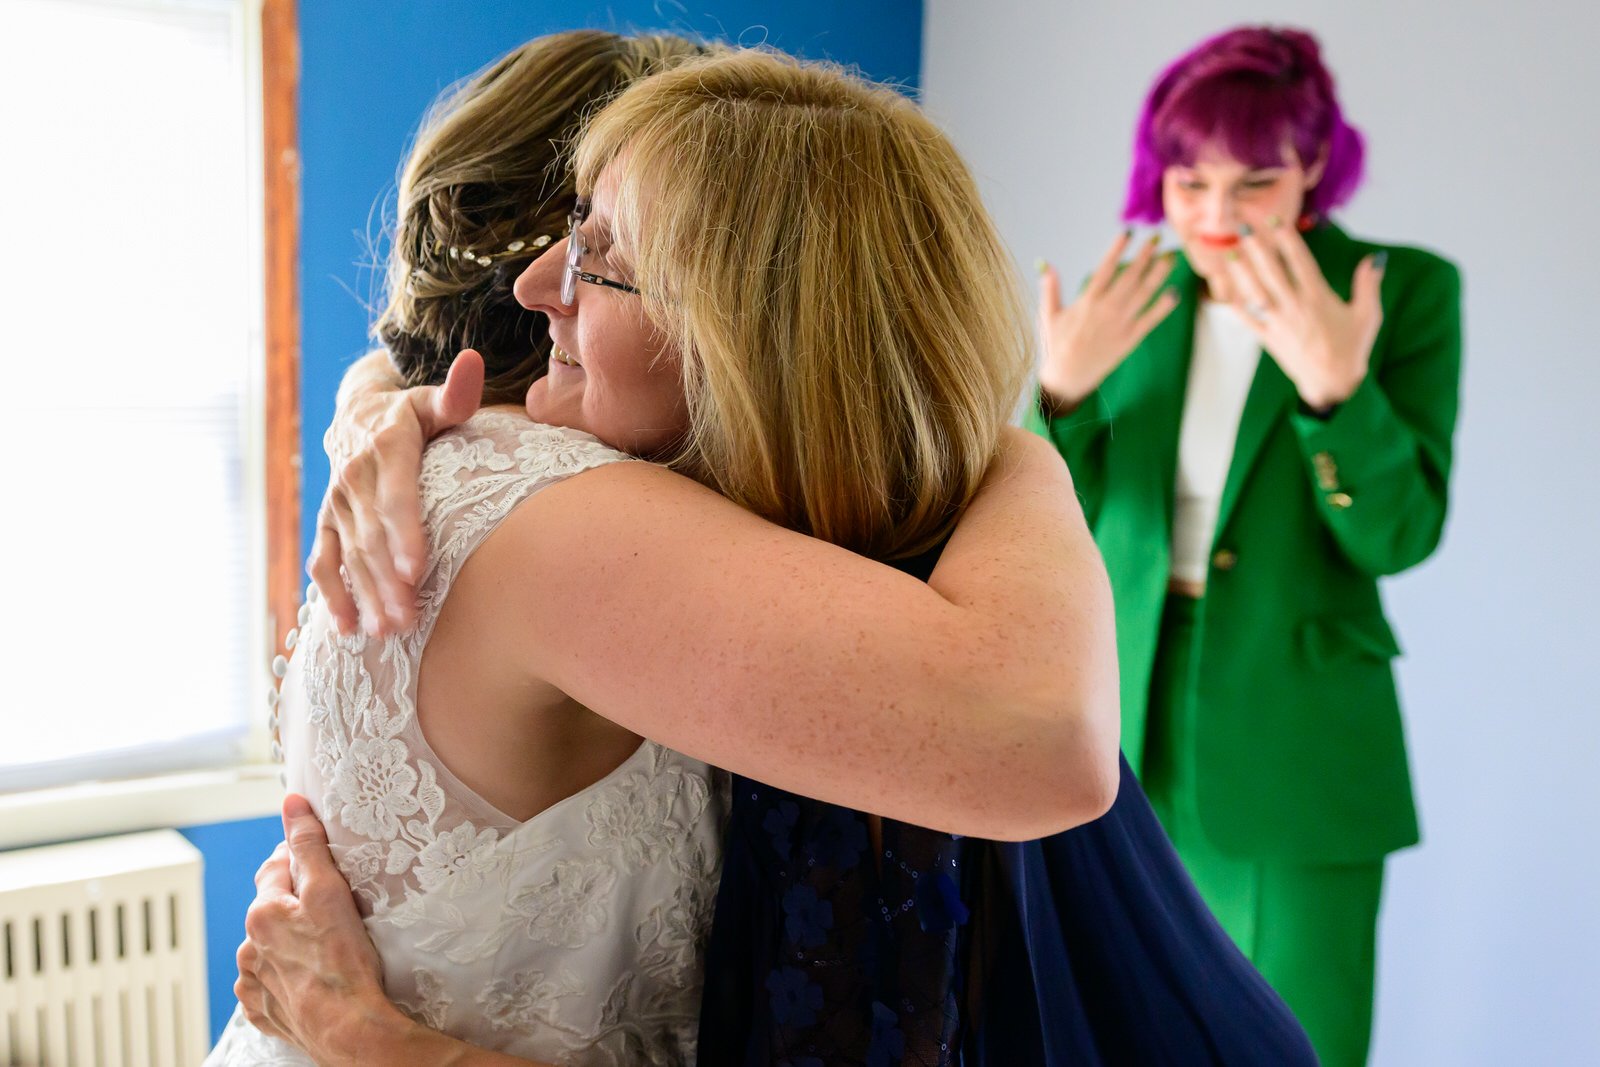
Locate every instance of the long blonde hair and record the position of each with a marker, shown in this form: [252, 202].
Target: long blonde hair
[853, 332]
[487, 179]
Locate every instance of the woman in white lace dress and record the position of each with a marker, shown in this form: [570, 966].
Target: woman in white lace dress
[982, 702]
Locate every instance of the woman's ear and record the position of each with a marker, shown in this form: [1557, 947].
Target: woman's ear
[1318, 166]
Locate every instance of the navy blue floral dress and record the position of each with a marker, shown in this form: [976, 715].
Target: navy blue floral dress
[1089, 947]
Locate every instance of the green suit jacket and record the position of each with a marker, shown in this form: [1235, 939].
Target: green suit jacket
[1298, 749]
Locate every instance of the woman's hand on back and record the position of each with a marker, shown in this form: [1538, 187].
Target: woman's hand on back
[370, 547]
[308, 973]
[1085, 341]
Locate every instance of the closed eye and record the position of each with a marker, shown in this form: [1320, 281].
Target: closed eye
[1263, 180]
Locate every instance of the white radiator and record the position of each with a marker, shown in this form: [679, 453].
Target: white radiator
[102, 954]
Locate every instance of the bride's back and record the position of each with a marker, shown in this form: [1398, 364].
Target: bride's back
[514, 740]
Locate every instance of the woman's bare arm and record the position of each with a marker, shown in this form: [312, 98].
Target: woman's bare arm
[1022, 555]
[983, 704]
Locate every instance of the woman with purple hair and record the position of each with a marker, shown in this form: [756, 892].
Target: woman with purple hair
[1260, 427]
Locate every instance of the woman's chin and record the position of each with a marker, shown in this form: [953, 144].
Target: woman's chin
[541, 406]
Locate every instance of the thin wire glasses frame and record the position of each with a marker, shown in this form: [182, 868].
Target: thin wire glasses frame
[576, 250]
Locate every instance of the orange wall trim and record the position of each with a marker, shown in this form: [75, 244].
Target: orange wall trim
[280, 45]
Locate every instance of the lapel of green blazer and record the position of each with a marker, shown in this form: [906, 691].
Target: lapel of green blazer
[1272, 395]
[1170, 346]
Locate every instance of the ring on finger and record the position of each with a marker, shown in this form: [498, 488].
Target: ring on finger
[1256, 310]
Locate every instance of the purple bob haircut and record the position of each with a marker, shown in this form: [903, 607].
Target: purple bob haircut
[1248, 92]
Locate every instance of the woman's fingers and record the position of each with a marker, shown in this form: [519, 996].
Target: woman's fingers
[364, 529]
[1153, 315]
[248, 958]
[1292, 247]
[307, 957]
[257, 1006]
[1132, 274]
[1366, 289]
[1144, 259]
[461, 394]
[1154, 277]
[392, 536]
[1252, 296]
[304, 838]
[273, 874]
[323, 568]
[1106, 272]
[317, 881]
[1269, 269]
[1049, 294]
[368, 597]
[397, 507]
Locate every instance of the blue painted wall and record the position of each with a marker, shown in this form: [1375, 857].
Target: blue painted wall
[369, 68]
[232, 851]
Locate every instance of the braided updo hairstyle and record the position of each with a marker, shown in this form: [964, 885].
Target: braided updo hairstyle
[486, 189]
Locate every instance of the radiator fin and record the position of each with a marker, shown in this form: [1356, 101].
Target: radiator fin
[102, 954]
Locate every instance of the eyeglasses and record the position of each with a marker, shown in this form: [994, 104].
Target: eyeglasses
[576, 250]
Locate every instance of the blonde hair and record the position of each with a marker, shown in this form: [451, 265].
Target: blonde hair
[852, 329]
[489, 175]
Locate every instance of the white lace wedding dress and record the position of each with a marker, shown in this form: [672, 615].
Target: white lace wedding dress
[572, 938]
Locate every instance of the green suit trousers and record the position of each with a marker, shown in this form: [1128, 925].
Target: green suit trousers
[1311, 929]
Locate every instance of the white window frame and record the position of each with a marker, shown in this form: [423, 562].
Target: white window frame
[248, 785]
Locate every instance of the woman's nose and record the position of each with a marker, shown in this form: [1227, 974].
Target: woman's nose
[538, 287]
[1221, 214]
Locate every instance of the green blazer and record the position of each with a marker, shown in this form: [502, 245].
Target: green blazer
[1298, 748]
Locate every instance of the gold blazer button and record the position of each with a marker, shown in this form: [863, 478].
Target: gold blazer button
[1224, 560]
[1339, 501]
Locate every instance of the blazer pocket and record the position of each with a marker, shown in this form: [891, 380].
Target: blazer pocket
[1328, 639]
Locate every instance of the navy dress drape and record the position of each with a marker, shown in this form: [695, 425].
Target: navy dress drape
[1090, 947]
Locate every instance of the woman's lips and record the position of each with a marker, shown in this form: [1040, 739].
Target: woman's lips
[1227, 240]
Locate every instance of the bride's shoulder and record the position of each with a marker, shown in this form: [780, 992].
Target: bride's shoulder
[504, 445]
[508, 430]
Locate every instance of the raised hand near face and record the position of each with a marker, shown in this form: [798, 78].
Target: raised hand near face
[1322, 342]
[1085, 341]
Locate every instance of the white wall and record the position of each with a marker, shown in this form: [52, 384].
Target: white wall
[1482, 131]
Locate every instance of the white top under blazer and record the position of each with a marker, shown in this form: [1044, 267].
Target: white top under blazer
[1221, 368]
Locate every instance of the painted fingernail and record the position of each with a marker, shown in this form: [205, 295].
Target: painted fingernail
[1380, 260]
[1040, 265]
[1233, 254]
[1245, 230]
[1127, 233]
[1274, 222]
